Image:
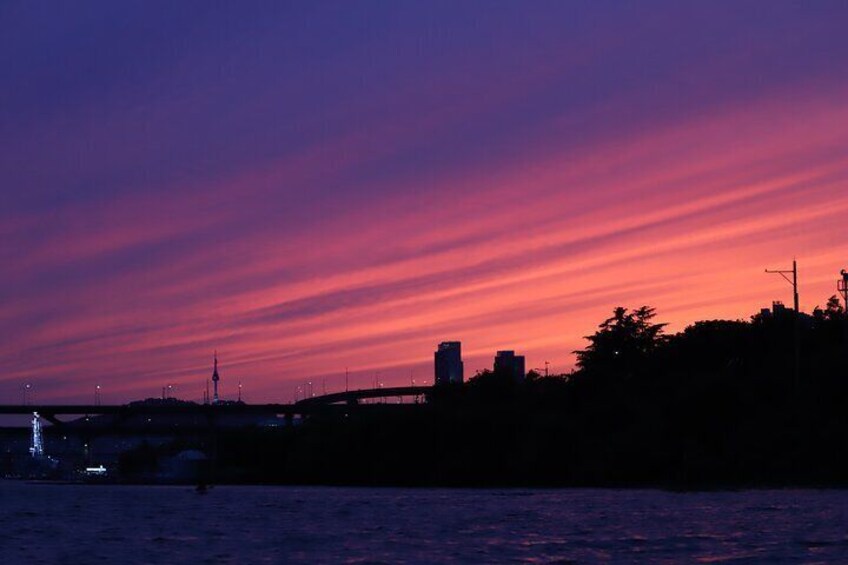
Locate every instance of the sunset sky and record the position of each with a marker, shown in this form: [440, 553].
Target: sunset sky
[308, 186]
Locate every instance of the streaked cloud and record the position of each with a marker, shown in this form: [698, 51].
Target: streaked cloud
[351, 196]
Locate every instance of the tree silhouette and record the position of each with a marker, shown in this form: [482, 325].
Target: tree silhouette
[622, 344]
[832, 312]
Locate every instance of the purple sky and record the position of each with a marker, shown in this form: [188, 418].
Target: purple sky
[313, 186]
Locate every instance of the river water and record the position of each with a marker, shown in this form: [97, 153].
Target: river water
[42, 523]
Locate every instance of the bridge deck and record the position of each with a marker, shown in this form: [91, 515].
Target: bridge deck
[306, 406]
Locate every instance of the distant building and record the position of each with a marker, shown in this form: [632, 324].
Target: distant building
[508, 363]
[448, 361]
[780, 311]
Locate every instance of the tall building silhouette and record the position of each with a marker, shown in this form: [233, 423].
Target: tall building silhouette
[448, 361]
[508, 363]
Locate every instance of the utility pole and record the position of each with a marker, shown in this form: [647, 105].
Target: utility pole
[547, 364]
[794, 282]
[346, 378]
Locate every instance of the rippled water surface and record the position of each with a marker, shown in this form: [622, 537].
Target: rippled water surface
[101, 524]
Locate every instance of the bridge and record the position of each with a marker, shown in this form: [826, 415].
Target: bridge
[323, 404]
[354, 396]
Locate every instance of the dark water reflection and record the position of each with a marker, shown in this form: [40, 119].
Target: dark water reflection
[103, 524]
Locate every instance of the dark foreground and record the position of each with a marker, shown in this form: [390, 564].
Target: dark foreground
[121, 524]
[722, 404]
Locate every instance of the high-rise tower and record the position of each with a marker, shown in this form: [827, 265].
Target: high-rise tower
[508, 364]
[448, 363]
[215, 379]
